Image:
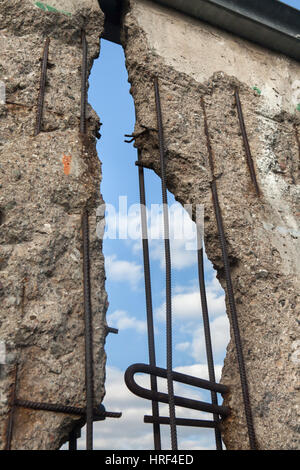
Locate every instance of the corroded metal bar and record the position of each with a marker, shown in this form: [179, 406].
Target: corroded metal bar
[177, 377]
[297, 138]
[149, 306]
[10, 424]
[168, 267]
[198, 423]
[246, 142]
[73, 440]
[83, 83]
[97, 413]
[230, 293]
[207, 335]
[164, 397]
[88, 320]
[114, 331]
[41, 97]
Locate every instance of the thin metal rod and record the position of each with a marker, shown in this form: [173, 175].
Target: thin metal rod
[73, 440]
[165, 398]
[149, 305]
[66, 409]
[83, 83]
[177, 377]
[75, 434]
[297, 138]
[114, 331]
[246, 141]
[168, 268]
[198, 423]
[113, 414]
[10, 424]
[89, 374]
[207, 335]
[230, 293]
[41, 97]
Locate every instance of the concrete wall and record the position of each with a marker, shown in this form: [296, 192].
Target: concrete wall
[193, 59]
[201, 51]
[41, 201]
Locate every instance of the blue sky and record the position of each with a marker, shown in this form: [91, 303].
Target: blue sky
[293, 3]
[109, 95]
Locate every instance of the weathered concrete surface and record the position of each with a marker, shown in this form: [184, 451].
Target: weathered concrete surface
[41, 201]
[192, 60]
[66, 6]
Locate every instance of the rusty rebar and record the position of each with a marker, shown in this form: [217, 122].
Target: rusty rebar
[114, 331]
[168, 267]
[198, 423]
[230, 292]
[297, 137]
[83, 83]
[178, 377]
[42, 87]
[73, 440]
[207, 336]
[149, 306]
[88, 321]
[246, 142]
[10, 424]
[97, 414]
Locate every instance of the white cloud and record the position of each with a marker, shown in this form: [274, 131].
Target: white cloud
[183, 240]
[220, 335]
[186, 307]
[123, 321]
[181, 257]
[183, 346]
[123, 271]
[200, 370]
[186, 303]
[124, 222]
[193, 444]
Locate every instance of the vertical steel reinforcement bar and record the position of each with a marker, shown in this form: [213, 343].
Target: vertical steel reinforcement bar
[230, 293]
[10, 424]
[83, 83]
[168, 267]
[149, 305]
[297, 138]
[89, 375]
[89, 370]
[246, 142]
[73, 440]
[41, 96]
[207, 335]
[75, 434]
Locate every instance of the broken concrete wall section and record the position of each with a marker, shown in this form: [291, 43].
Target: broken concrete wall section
[194, 60]
[46, 181]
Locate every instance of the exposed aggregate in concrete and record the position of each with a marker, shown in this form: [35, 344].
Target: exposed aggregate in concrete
[46, 181]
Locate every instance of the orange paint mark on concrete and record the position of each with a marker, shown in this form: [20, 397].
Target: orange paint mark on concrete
[67, 164]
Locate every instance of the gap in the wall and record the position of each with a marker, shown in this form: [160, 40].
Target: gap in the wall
[109, 96]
